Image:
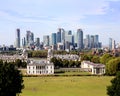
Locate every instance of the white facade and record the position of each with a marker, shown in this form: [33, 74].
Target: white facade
[40, 68]
[94, 68]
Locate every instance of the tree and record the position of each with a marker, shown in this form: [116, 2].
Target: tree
[65, 63]
[105, 58]
[84, 57]
[95, 59]
[18, 63]
[113, 66]
[114, 89]
[11, 81]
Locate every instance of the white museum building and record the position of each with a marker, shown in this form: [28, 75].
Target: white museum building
[40, 68]
[97, 69]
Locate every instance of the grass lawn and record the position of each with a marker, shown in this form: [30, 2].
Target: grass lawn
[66, 86]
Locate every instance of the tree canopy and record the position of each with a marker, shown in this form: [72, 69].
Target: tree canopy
[59, 63]
[11, 81]
[105, 58]
[113, 66]
[114, 88]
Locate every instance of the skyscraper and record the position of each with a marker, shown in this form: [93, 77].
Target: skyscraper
[63, 35]
[79, 38]
[96, 41]
[59, 35]
[23, 42]
[92, 41]
[111, 44]
[46, 40]
[37, 42]
[29, 38]
[17, 38]
[53, 39]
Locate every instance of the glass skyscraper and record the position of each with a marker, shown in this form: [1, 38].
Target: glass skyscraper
[18, 38]
[79, 38]
[53, 39]
[29, 38]
[59, 35]
[46, 40]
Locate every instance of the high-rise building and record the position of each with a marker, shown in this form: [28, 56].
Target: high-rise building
[87, 42]
[69, 32]
[96, 41]
[18, 38]
[92, 41]
[53, 39]
[37, 42]
[59, 35]
[29, 38]
[111, 44]
[46, 40]
[63, 34]
[70, 39]
[79, 38]
[23, 42]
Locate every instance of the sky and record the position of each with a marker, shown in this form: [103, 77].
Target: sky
[43, 17]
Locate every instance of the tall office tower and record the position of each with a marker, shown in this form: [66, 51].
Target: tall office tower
[37, 42]
[53, 39]
[18, 38]
[59, 35]
[46, 40]
[69, 32]
[96, 41]
[110, 43]
[29, 38]
[63, 35]
[91, 41]
[113, 44]
[79, 38]
[87, 42]
[23, 42]
[70, 39]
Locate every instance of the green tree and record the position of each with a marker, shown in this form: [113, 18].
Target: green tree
[65, 63]
[105, 58]
[113, 66]
[55, 62]
[95, 59]
[77, 63]
[84, 57]
[114, 88]
[18, 63]
[11, 81]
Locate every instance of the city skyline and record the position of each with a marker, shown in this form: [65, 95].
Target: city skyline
[44, 17]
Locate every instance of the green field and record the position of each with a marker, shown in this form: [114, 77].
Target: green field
[66, 86]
